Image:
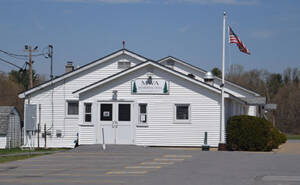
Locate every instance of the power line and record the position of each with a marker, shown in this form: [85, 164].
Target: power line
[12, 54]
[10, 63]
[25, 56]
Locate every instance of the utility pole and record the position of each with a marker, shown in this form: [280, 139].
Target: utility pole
[30, 62]
[52, 88]
[51, 58]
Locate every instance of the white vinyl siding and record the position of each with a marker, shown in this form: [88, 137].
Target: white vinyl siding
[161, 130]
[86, 134]
[2, 142]
[62, 92]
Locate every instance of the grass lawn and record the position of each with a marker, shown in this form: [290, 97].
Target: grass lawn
[4, 159]
[18, 150]
[293, 137]
[21, 156]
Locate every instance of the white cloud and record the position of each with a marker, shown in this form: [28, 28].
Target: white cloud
[262, 34]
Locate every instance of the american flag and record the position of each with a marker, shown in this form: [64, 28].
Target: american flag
[233, 38]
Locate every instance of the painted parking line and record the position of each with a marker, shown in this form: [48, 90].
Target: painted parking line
[125, 172]
[282, 178]
[156, 163]
[140, 167]
[86, 153]
[168, 159]
[180, 156]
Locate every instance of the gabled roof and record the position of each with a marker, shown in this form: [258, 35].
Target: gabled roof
[5, 112]
[141, 65]
[83, 68]
[204, 71]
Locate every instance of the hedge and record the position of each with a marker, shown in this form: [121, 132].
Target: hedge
[249, 133]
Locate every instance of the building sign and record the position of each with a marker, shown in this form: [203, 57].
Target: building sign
[150, 86]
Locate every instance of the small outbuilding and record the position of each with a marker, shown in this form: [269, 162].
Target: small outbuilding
[10, 127]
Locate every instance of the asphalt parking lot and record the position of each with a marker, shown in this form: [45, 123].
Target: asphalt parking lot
[134, 165]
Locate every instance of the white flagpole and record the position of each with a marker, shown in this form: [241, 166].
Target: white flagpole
[222, 125]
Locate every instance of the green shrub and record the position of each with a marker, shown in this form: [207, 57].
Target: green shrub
[277, 138]
[249, 133]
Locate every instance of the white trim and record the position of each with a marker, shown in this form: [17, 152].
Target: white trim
[84, 112]
[141, 66]
[181, 121]
[88, 66]
[139, 123]
[99, 112]
[203, 71]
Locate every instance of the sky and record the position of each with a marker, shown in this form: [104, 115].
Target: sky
[191, 30]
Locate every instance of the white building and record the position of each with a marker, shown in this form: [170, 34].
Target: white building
[136, 101]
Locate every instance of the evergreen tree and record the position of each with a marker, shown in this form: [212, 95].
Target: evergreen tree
[134, 89]
[166, 88]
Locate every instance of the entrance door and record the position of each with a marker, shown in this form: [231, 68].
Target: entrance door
[116, 119]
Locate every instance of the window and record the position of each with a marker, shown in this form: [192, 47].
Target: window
[170, 64]
[123, 65]
[87, 112]
[106, 112]
[182, 113]
[72, 108]
[124, 112]
[143, 113]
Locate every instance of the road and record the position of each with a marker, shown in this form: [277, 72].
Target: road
[134, 165]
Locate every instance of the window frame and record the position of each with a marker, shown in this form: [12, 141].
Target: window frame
[67, 109]
[130, 109]
[184, 121]
[123, 64]
[140, 123]
[85, 113]
[100, 111]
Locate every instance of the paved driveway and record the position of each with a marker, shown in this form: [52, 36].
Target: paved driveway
[134, 165]
[290, 147]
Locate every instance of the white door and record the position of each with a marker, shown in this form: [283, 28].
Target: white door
[116, 119]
